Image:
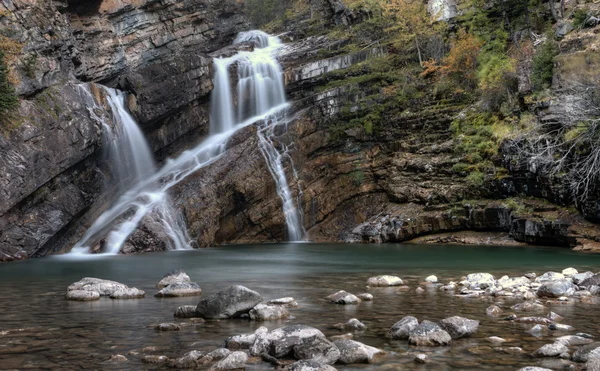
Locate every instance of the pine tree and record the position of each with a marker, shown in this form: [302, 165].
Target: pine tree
[8, 99]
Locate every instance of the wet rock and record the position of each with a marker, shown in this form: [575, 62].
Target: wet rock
[118, 358]
[582, 294]
[81, 295]
[528, 306]
[318, 349]
[288, 302]
[114, 290]
[431, 279]
[429, 334]
[217, 354]
[531, 276]
[513, 350]
[343, 297]
[508, 283]
[459, 327]
[265, 312]
[341, 337]
[167, 327]
[419, 290]
[234, 361]
[551, 350]
[536, 330]
[584, 335]
[587, 352]
[280, 342]
[534, 368]
[244, 341]
[176, 276]
[556, 289]
[365, 297]
[528, 295]
[354, 352]
[494, 310]
[593, 364]
[229, 303]
[310, 365]
[402, 329]
[179, 289]
[510, 317]
[496, 340]
[538, 320]
[422, 358]
[352, 324]
[480, 281]
[383, 281]
[189, 360]
[580, 277]
[554, 317]
[567, 272]
[573, 340]
[155, 359]
[186, 311]
[550, 276]
[560, 327]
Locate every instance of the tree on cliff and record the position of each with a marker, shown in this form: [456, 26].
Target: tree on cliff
[8, 99]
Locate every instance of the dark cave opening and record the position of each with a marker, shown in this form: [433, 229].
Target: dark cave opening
[84, 7]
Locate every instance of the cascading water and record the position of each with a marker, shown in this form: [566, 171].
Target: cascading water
[261, 98]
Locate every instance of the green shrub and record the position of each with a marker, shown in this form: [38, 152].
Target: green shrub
[8, 98]
[543, 65]
[579, 18]
[476, 178]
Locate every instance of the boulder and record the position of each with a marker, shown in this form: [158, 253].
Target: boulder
[354, 352]
[281, 342]
[266, 312]
[556, 288]
[310, 365]
[567, 272]
[536, 330]
[496, 340]
[573, 340]
[229, 303]
[343, 297]
[186, 311]
[593, 365]
[234, 361]
[402, 329]
[591, 281]
[580, 277]
[422, 358]
[480, 281]
[365, 296]
[431, 279]
[550, 276]
[560, 327]
[534, 368]
[99, 287]
[429, 334]
[244, 341]
[494, 310]
[383, 281]
[189, 360]
[528, 306]
[82, 295]
[554, 317]
[178, 289]
[459, 327]
[587, 352]
[175, 276]
[317, 349]
[155, 359]
[551, 350]
[352, 324]
[509, 283]
[538, 320]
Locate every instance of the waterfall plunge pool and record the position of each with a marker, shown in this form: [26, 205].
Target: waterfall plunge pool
[41, 329]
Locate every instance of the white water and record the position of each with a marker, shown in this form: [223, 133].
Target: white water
[261, 86]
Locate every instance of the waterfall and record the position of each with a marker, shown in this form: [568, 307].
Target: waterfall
[261, 98]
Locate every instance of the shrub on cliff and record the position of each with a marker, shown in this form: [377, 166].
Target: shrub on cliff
[8, 99]
[543, 65]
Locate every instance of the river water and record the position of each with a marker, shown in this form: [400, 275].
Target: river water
[40, 329]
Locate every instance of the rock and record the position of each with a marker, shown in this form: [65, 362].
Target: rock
[112, 289]
[365, 297]
[118, 358]
[587, 352]
[429, 334]
[550, 276]
[234, 361]
[536, 330]
[560, 327]
[265, 312]
[217, 354]
[419, 290]
[186, 311]
[354, 352]
[554, 317]
[176, 276]
[431, 279]
[317, 349]
[280, 342]
[593, 364]
[580, 277]
[459, 327]
[402, 329]
[288, 302]
[528, 295]
[572, 340]
[351, 324]
[309, 365]
[229, 303]
[538, 320]
[167, 327]
[567, 272]
[189, 360]
[383, 281]
[480, 281]
[551, 350]
[556, 289]
[509, 283]
[244, 341]
[343, 297]
[494, 311]
[422, 358]
[531, 276]
[582, 294]
[528, 306]
[584, 335]
[82, 295]
[510, 317]
[496, 340]
[591, 281]
[155, 359]
[533, 368]
[178, 289]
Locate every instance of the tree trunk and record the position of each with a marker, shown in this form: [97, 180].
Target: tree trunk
[419, 51]
[553, 10]
[562, 9]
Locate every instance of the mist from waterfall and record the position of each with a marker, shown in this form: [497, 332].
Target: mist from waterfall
[261, 98]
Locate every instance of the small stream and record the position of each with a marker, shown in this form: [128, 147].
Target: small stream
[40, 329]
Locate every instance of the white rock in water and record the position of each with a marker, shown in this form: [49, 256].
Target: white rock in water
[569, 272]
[365, 296]
[173, 277]
[343, 297]
[431, 279]
[99, 287]
[288, 302]
[384, 281]
[480, 280]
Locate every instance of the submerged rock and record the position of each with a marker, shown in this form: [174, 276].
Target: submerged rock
[383, 281]
[167, 327]
[186, 311]
[343, 297]
[234, 361]
[99, 287]
[551, 350]
[189, 360]
[310, 365]
[431, 279]
[429, 334]
[244, 341]
[572, 340]
[229, 303]
[176, 276]
[179, 289]
[281, 342]
[459, 327]
[365, 297]
[354, 352]
[402, 329]
[528, 306]
[155, 359]
[352, 324]
[288, 302]
[422, 358]
[550, 276]
[265, 312]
